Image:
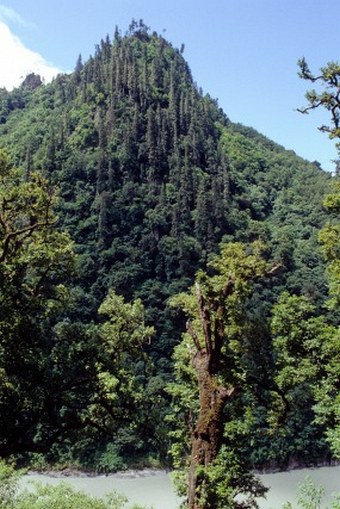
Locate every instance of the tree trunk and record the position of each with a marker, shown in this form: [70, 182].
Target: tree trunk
[207, 435]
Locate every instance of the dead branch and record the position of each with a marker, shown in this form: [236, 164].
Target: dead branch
[205, 319]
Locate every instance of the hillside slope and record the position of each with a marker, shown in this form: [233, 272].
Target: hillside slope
[153, 176]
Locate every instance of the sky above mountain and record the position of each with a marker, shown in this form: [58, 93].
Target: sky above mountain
[241, 52]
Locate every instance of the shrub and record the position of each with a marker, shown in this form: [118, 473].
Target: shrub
[9, 480]
[311, 497]
[44, 496]
[64, 496]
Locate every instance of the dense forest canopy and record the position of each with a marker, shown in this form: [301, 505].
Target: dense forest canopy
[129, 180]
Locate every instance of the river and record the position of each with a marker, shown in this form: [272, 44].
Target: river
[154, 489]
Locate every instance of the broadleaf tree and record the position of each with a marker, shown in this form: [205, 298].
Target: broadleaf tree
[35, 260]
[212, 403]
[118, 405]
[326, 391]
[328, 97]
[306, 340]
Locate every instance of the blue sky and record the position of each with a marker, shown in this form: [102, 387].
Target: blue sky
[242, 52]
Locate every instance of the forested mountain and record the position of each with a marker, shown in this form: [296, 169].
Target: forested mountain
[152, 177]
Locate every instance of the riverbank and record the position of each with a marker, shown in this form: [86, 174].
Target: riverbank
[76, 473]
[133, 473]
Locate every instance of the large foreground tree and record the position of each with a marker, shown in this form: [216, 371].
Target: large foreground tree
[213, 383]
[57, 375]
[324, 355]
[35, 259]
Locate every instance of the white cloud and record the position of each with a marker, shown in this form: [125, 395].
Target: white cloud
[16, 61]
[9, 14]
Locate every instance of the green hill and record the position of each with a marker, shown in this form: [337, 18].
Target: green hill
[153, 176]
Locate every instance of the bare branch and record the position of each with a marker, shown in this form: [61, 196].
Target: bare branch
[193, 335]
[25, 232]
[205, 319]
[274, 271]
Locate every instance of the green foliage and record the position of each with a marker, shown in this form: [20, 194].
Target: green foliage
[125, 327]
[328, 401]
[110, 460]
[63, 496]
[35, 259]
[119, 404]
[308, 360]
[329, 238]
[326, 390]
[9, 479]
[213, 357]
[228, 485]
[311, 497]
[328, 98]
[42, 496]
[65, 375]
[152, 176]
